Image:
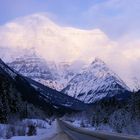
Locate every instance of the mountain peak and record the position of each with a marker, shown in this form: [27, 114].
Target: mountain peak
[98, 60]
[95, 82]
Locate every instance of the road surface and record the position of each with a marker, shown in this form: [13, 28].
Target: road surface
[67, 131]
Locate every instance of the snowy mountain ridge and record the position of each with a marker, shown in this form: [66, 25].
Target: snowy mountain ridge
[88, 83]
[56, 76]
[94, 83]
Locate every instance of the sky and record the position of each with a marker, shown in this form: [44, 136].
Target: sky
[117, 20]
[114, 17]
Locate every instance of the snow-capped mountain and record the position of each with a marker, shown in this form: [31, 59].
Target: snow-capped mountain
[56, 44]
[32, 66]
[54, 75]
[95, 82]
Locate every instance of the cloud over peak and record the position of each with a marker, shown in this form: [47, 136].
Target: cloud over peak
[57, 43]
[51, 40]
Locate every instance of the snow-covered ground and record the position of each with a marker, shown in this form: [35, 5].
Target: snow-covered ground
[42, 133]
[78, 123]
[46, 133]
[53, 131]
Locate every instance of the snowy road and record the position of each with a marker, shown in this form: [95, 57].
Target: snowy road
[60, 130]
[69, 132]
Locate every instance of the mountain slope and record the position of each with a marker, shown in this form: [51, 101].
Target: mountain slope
[51, 74]
[13, 104]
[96, 82]
[32, 66]
[93, 83]
[40, 96]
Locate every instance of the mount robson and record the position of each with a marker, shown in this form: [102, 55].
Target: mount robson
[50, 72]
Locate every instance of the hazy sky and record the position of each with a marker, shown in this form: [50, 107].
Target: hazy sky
[114, 17]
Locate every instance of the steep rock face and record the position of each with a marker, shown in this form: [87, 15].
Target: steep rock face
[33, 67]
[95, 82]
[56, 76]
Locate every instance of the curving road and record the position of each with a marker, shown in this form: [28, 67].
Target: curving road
[67, 131]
